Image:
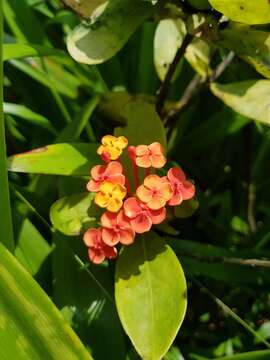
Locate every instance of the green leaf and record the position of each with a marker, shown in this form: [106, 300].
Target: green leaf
[83, 8]
[251, 45]
[200, 4]
[108, 32]
[168, 38]
[28, 115]
[31, 326]
[245, 11]
[150, 282]
[59, 159]
[251, 355]
[250, 98]
[144, 126]
[74, 214]
[16, 51]
[6, 230]
[186, 209]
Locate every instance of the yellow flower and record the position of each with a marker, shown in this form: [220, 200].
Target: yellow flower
[112, 147]
[110, 196]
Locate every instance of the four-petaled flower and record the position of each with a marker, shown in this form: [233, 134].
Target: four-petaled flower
[98, 251]
[141, 217]
[182, 188]
[112, 147]
[112, 172]
[155, 192]
[116, 228]
[110, 196]
[152, 155]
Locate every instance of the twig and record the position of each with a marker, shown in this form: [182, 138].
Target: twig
[195, 86]
[162, 93]
[227, 260]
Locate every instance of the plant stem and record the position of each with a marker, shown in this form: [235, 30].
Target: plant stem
[6, 229]
[162, 93]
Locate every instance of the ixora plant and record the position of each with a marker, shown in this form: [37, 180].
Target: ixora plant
[131, 211]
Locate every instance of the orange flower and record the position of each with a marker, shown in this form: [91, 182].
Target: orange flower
[110, 196]
[112, 172]
[98, 251]
[182, 188]
[152, 155]
[112, 147]
[154, 192]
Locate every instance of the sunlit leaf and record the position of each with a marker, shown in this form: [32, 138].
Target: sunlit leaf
[108, 32]
[149, 281]
[246, 11]
[73, 214]
[59, 159]
[31, 326]
[250, 98]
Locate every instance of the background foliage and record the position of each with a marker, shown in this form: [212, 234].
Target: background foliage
[207, 75]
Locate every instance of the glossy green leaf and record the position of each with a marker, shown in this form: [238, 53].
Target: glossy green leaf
[144, 126]
[186, 209]
[83, 8]
[252, 45]
[250, 98]
[16, 51]
[73, 214]
[59, 159]
[245, 11]
[251, 355]
[200, 4]
[31, 326]
[108, 31]
[150, 283]
[168, 38]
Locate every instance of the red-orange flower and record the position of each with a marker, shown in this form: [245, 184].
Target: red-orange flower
[116, 228]
[155, 192]
[98, 251]
[141, 217]
[152, 155]
[182, 188]
[113, 172]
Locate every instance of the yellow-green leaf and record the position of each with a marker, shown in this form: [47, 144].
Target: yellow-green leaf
[73, 214]
[249, 98]
[31, 327]
[109, 29]
[84, 8]
[58, 159]
[250, 44]
[151, 295]
[245, 11]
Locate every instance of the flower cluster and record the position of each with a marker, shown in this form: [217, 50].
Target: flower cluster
[131, 212]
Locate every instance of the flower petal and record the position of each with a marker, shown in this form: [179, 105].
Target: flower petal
[93, 186]
[153, 182]
[110, 237]
[108, 140]
[126, 236]
[107, 187]
[97, 171]
[108, 220]
[92, 237]
[156, 148]
[96, 255]
[187, 190]
[157, 216]
[118, 179]
[132, 207]
[114, 205]
[166, 191]
[110, 252]
[158, 161]
[102, 199]
[143, 161]
[114, 167]
[144, 194]
[156, 203]
[141, 223]
[176, 174]
[121, 142]
[142, 150]
[176, 199]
